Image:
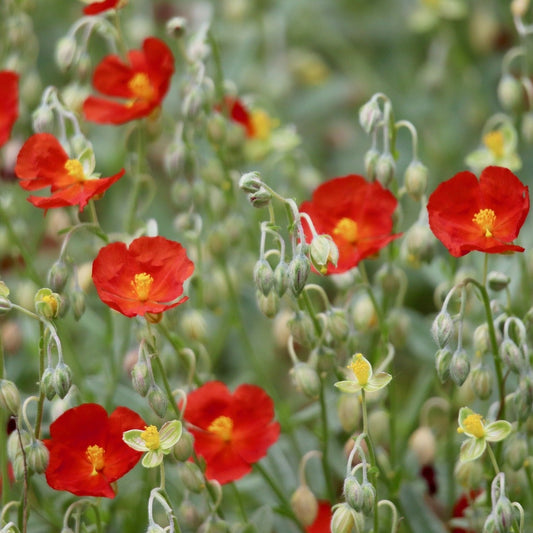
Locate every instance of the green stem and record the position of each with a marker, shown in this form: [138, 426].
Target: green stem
[325, 447]
[372, 453]
[135, 190]
[40, 404]
[240, 504]
[162, 473]
[493, 459]
[166, 385]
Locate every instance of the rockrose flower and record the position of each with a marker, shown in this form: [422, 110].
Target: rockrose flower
[486, 215]
[140, 85]
[356, 214]
[87, 453]
[231, 431]
[42, 162]
[145, 277]
[9, 99]
[323, 519]
[100, 6]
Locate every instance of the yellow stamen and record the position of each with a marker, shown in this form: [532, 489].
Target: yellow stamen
[347, 229]
[222, 427]
[485, 219]
[150, 436]
[51, 301]
[473, 425]
[141, 87]
[495, 142]
[141, 285]
[361, 368]
[75, 169]
[95, 454]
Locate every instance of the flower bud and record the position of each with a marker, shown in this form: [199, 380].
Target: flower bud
[42, 119]
[370, 115]
[369, 498]
[418, 246]
[183, 449]
[306, 379]
[337, 324]
[47, 383]
[390, 278]
[522, 399]
[423, 444]
[140, 378]
[188, 515]
[58, 276]
[47, 303]
[353, 493]
[459, 367]
[62, 379]
[416, 180]
[481, 382]
[345, 519]
[37, 456]
[527, 127]
[263, 276]
[13, 445]
[216, 128]
[194, 325]
[519, 7]
[269, 304]
[364, 314]
[9, 397]
[442, 329]
[510, 93]
[66, 49]
[176, 27]
[503, 514]
[349, 411]
[302, 329]
[298, 272]
[481, 339]
[191, 476]
[443, 359]
[18, 467]
[498, 281]
[157, 400]
[515, 450]
[260, 198]
[385, 168]
[281, 278]
[371, 161]
[304, 505]
[512, 355]
[77, 301]
[322, 252]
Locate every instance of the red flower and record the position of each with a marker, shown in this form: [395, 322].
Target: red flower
[144, 278]
[231, 432]
[103, 5]
[9, 97]
[238, 113]
[356, 214]
[323, 519]
[143, 83]
[486, 215]
[87, 453]
[42, 162]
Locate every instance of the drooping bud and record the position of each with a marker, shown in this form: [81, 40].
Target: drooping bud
[194, 325]
[337, 324]
[58, 275]
[459, 367]
[498, 281]
[527, 127]
[62, 379]
[512, 355]
[77, 301]
[353, 493]
[418, 246]
[322, 252]
[302, 329]
[189, 515]
[13, 445]
[47, 303]
[304, 505]
[176, 27]
[481, 339]
[385, 169]
[260, 198]
[157, 400]
[423, 444]
[349, 411]
[66, 49]
[443, 359]
[370, 115]
[369, 498]
[298, 273]
[9, 397]
[364, 313]
[281, 278]
[390, 278]
[481, 382]
[371, 161]
[503, 514]
[37, 456]
[42, 119]
[510, 93]
[47, 383]
[263, 276]
[306, 379]
[191, 476]
[269, 304]
[345, 519]
[183, 449]
[140, 378]
[442, 329]
[416, 180]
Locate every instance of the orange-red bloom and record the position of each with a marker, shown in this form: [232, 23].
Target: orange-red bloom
[87, 453]
[231, 431]
[238, 113]
[42, 162]
[356, 214]
[486, 215]
[323, 519]
[141, 84]
[9, 99]
[145, 277]
[99, 7]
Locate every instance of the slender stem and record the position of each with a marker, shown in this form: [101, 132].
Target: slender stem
[166, 385]
[135, 190]
[493, 459]
[240, 504]
[325, 435]
[40, 404]
[162, 474]
[372, 453]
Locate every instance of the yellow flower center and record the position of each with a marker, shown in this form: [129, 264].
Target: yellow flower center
[150, 436]
[141, 285]
[262, 124]
[473, 425]
[494, 141]
[347, 229]
[361, 368]
[51, 300]
[75, 169]
[95, 454]
[141, 87]
[222, 427]
[485, 219]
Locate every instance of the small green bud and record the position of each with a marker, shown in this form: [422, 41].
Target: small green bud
[157, 400]
[337, 324]
[269, 304]
[304, 505]
[263, 276]
[216, 129]
[418, 246]
[442, 329]
[481, 339]
[510, 93]
[140, 378]
[370, 115]
[385, 169]
[37, 456]
[77, 301]
[191, 476]
[13, 445]
[194, 325]
[522, 399]
[469, 474]
[42, 119]
[298, 272]
[527, 127]
[515, 450]
[47, 303]
[371, 161]
[369, 498]
[9, 397]
[18, 467]
[323, 251]
[353, 493]
[302, 329]
[189, 516]
[512, 355]
[62, 379]
[416, 180]
[364, 313]
[306, 379]
[503, 514]
[183, 449]
[47, 383]
[390, 278]
[443, 359]
[281, 278]
[66, 50]
[345, 519]
[459, 367]
[260, 198]
[423, 444]
[58, 276]
[498, 281]
[482, 382]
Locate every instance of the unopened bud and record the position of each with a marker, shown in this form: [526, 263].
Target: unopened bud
[306, 379]
[47, 303]
[527, 127]
[385, 169]
[344, 519]
[390, 278]
[370, 115]
[191, 476]
[304, 505]
[47, 383]
[216, 128]
[13, 444]
[281, 278]
[269, 304]
[442, 329]
[263, 276]
[58, 276]
[157, 400]
[183, 449]
[77, 301]
[416, 180]
[302, 329]
[515, 450]
[510, 93]
[349, 411]
[469, 474]
[189, 516]
[364, 314]
[371, 161]
[459, 367]
[260, 198]
[62, 379]
[498, 281]
[418, 246]
[194, 325]
[42, 119]
[481, 382]
[140, 378]
[423, 444]
[337, 324]
[66, 49]
[481, 339]
[37, 456]
[503, 514]
[323, 251]
[512, 355]
[9, 397]
[519, 7]
[369, 498]
[298, 272]
[176, 27]
[522, 399]
[353, 493]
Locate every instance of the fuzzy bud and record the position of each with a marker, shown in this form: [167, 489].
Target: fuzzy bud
[191, 476]
[370, 115]
[304, 505]
[298, 272]
[189, 516]
[423, 444]
[349, 411]
[322, 252]
[47, 303]
[416, 180]
[498, 281]
[459, 367]
[269, 304]
[390, 279]
[481, 339]
[418, 246]
[306, 379]
[469, 474]
[302, 329]
[42, 119]
[250, 182]
[157, 400]
[510, 93]
[481, 382]
[527, 127]
[9, 397]
[13, 445]
[371, 161]
[385, 169]
[194, 325]
[260, 198]
[77, 301]
[281, 278]
[523, 399]
[353, 493]
[369, 498]
[503, 514]
[345, 519]
[66, 49]
[176, 27]
[47, 383]
[37, 456]
[364, 313]
[62, 379]
[512, 355]
[139, 378]
[263, 276]
[337, 324]
[58, 276]
[183, 449]
[442, 329]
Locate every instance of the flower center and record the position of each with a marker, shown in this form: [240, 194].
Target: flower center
[222, 427]
[473, 425]
[150, 436]
[141, 285]
[51, 301]
[361, 368]
[141, 87]
[494, 141]
[485, 219]
[95, 454]
[347, 229]
[75, 169]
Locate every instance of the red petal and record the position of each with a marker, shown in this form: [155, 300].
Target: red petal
[104, 111]
[322, 520]
[206, 403]
[9, 96]
[99, 7]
